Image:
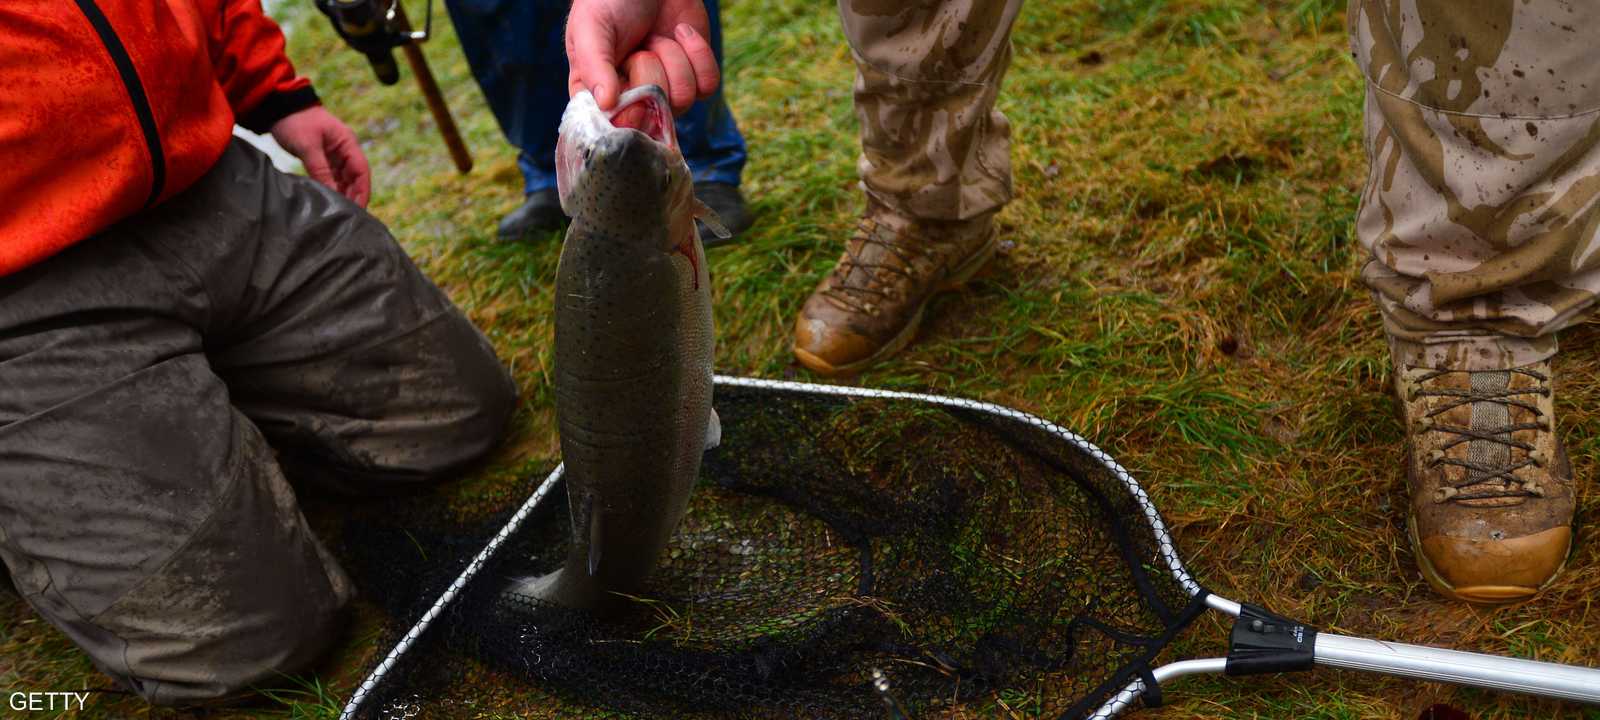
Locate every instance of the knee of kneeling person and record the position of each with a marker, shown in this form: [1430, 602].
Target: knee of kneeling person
[460, 422]
[479, 417]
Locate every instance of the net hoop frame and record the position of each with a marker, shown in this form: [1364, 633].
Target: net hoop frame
[1494, 672]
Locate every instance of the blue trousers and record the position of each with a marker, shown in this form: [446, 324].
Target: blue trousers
[516, 52]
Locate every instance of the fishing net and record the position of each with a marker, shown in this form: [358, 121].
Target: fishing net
[848, 554]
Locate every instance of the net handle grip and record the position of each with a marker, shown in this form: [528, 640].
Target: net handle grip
[1565, 682]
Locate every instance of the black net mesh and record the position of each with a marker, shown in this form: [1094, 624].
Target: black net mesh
[982, 564]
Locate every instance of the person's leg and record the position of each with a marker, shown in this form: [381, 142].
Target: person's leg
[935, 164]
[140, 513]
[1482, 214]
[354, 365]
[933, 146]
[517, 55]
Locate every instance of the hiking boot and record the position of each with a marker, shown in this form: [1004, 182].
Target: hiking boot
[728, 203]
[870, 305]
[539, 213]
[1491, 489]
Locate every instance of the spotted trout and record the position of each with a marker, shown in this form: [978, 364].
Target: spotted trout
[633, 346]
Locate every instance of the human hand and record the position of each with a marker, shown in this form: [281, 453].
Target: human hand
[329, 150]
[660, 42]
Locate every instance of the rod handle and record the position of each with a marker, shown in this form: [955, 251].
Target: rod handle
[434, 98]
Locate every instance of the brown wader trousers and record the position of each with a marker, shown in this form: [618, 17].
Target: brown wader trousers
[1482, 209]
[933, 146]
[148, 374]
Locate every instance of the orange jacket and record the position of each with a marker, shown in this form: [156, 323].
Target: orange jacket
[108, 107]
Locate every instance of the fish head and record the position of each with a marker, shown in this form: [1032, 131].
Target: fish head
[624, 165]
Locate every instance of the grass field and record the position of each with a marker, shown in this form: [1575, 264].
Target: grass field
[1178, 284]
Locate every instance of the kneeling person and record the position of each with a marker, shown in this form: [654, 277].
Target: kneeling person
[180, 324]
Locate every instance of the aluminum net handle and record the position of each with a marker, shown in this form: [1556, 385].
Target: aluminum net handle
[1493, 672]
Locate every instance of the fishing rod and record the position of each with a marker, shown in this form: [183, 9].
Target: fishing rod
[375, 28]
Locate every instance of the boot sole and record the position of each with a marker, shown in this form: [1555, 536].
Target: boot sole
[963, 272]
[1476, 594]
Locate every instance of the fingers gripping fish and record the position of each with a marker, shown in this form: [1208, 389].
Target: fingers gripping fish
[633, 345]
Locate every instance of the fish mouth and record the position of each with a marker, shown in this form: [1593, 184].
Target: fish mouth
[644, 109]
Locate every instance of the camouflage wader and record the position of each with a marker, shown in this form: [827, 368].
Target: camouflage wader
[935, 165]
[1482, 210]
[932, 145]
[1483, 132]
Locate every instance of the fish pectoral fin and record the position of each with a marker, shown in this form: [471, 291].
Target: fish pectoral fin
[713, 430]
[594, 540]
[711, 219]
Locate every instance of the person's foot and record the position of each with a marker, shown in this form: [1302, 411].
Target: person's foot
[728, 203]
[1491, 489]
[869, 307]
[539, 213]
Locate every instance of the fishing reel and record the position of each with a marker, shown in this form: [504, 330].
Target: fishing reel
[375, 28]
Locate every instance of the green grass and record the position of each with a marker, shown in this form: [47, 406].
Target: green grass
[1179, 285]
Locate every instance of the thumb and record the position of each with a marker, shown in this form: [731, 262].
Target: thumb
[590, 53]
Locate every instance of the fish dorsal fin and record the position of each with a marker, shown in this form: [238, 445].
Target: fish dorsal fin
[711, 219]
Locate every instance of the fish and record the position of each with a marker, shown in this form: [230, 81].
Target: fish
[634, 340]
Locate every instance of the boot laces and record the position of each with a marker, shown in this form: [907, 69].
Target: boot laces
[1480, 478]
[859, 290]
